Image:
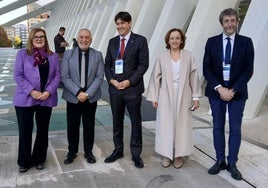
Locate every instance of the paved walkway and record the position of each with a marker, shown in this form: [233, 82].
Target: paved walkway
[253, 158]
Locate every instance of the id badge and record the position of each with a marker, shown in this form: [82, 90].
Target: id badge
[119, 66]
[226, 72]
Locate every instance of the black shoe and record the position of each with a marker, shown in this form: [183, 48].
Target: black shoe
[138, 162]
[23, 169]
[69, 158]
[217, 167]
[114, 156]
[90, 158]
[234, 172]
[39, 166]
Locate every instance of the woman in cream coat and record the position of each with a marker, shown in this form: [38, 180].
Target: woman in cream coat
[174, 88]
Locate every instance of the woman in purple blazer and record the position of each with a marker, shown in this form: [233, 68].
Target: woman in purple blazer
[37, 75]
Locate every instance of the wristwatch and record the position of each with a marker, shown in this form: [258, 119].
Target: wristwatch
[234, 91]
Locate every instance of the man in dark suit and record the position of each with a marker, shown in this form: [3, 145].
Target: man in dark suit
[126, 62]
[227, 67]
[82, 72]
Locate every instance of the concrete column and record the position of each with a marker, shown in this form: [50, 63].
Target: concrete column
[255, 25]
[95, 19]
[76, 25]
[99, 24]
[110, 30]
[148, 17]
[174, 14]
[204, 24]
[153, 18]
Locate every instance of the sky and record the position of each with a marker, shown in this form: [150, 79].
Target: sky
[18, 12]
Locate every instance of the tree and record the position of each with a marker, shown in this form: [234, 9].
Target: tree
[4, 41]
[17, 41]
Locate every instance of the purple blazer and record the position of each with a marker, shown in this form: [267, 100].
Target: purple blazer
[27, 78]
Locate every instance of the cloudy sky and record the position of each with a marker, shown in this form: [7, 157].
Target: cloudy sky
[18, 12]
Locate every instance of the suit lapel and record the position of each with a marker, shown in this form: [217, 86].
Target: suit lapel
[115, 47]
[235, 47]
[90, 62]
[219, 49]
[74, 59]
[130, 43]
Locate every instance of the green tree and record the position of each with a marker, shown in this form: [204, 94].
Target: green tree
[17, 41]
[4, 41]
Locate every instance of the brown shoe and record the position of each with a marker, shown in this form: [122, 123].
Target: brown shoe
[166, 162]
[178, 162]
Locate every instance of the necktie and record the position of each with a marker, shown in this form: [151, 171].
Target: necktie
[228, 51]
[83, 70]
[122, 47]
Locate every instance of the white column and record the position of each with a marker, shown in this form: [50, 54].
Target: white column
[148, 17]
[204, 24]
[101, 22]
[173, 14]
[109, 29]
[255, 25]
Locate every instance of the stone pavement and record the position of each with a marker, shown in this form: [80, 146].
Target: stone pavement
[253, 158]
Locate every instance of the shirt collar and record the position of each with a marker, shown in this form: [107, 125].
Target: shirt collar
[126, 37]
[224, 36]
[86, 52]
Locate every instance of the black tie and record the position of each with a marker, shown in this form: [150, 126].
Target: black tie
[228, 51]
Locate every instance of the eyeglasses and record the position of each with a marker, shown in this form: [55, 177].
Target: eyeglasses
[39, 37]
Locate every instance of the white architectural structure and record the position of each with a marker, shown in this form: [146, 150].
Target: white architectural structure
[256, 26]
[153, 18]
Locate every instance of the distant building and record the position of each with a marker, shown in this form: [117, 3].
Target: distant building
[21, 30]
[37, 19]
[10, 32]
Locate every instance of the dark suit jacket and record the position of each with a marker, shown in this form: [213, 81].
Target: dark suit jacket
[136, 62]
[241, 66]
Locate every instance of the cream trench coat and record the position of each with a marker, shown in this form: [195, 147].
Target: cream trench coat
[160, 89]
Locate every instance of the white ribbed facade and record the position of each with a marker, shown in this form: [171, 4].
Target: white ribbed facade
[153, 18]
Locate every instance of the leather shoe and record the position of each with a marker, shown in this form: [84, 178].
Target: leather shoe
[114, 156]
[23, 169]
[217, 167]
[90, 158]
[69, 158]
[234, 172]
[138, 162]
[39, 166]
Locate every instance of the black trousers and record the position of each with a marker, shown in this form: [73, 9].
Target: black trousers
[119, 102]
[87, 111]
[25, 117]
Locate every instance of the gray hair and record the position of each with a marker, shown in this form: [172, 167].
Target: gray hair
[228, 12]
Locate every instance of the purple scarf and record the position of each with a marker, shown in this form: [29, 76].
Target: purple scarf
[40, 56]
